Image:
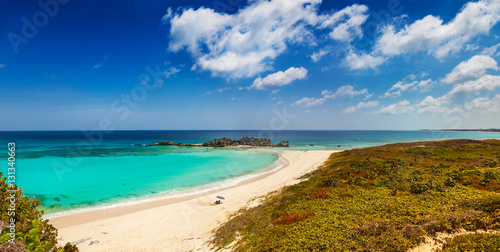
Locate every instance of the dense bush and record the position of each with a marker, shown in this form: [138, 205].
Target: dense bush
[32, 232]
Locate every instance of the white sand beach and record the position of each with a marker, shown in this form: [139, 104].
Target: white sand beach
[179, 224]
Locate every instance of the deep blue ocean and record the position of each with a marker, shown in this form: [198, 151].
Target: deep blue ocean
[81, 170]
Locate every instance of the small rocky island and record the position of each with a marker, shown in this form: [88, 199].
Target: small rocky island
[227, 142]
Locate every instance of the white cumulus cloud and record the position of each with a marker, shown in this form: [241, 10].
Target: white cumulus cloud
[440, 39]
[433, 105]
[396, 89]
[361, 105]
[347, 22]
[402, 86]
[316, 56]
[397, 108]
[363, 61]
[484, 84]
[346, 90]
[310, 102]
[470, 69]
[245, 44]
[278, 79]
[484, 104]
[428, 104]
[449, 102]
[468, 79]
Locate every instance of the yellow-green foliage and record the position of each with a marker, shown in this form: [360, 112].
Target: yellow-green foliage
[472, 242]
[32, 233]
[383, 198]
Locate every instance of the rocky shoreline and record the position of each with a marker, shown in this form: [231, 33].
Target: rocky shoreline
[227, 142]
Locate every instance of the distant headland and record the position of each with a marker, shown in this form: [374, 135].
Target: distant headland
[477, 130]
[227, 142]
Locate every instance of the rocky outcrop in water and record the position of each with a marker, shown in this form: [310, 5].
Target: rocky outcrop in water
[227, 142]
[246, 141]
[220, 142]
[252, 141]
[282, 144]
[162, 143]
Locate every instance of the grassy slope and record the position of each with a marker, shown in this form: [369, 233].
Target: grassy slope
[378, 199]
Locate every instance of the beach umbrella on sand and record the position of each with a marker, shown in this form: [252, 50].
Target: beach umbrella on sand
[220, 197]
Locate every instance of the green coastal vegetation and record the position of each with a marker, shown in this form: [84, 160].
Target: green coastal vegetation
[386, 198]
[22, 225]
[473, 242]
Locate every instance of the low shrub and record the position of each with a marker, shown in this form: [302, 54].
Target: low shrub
[328, 182]
[472, 242]
[32, 232]
[291, 218]
[419, 188]
[450, 182]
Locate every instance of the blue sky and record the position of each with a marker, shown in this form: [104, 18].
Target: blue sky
[232, 64]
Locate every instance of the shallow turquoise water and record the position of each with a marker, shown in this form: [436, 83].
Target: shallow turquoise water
[76, 182]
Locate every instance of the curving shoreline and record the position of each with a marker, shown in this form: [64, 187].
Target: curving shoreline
[180, 223]
[173, 196]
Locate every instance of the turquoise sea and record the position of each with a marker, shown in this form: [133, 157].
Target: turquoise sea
[81, 170]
